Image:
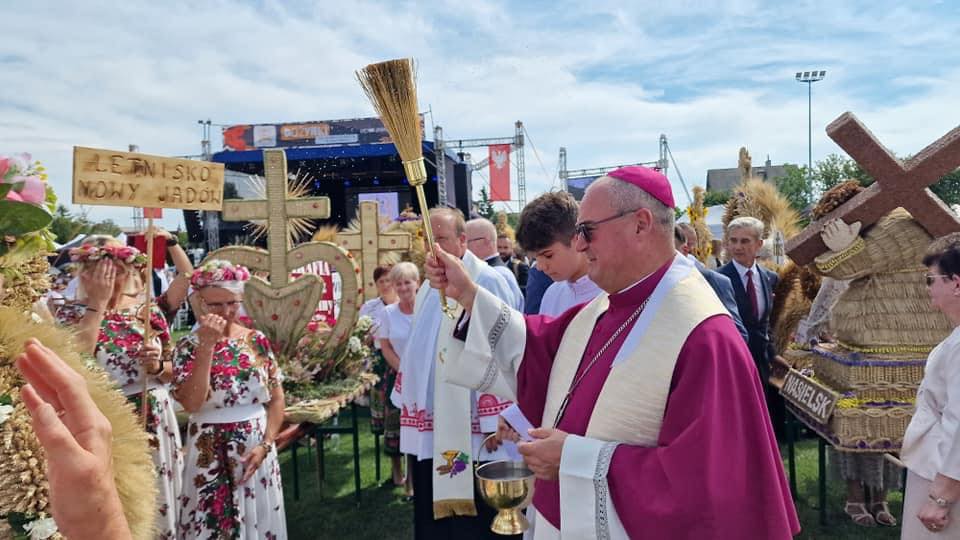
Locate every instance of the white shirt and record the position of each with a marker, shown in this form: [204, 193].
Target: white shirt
[931, 444]
[395, 326]
[563, 295]
[374, 308]
[757, 286]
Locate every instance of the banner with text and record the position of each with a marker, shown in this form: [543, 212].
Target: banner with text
[499, 172]
[113, 178]
[316, 133]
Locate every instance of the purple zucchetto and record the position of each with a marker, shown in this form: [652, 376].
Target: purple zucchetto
[650, 180]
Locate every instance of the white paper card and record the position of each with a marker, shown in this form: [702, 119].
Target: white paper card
[518, 422]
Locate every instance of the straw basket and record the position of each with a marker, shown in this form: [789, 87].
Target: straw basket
[862, 429]
[870, 377]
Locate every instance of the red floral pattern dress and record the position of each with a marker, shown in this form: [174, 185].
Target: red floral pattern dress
[118, 347]
[215, 504]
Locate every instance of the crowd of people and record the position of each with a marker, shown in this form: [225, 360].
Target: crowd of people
[223, 478]
[641, 370]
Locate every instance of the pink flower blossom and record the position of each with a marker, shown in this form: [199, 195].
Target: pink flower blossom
[34, 191]
[4, 166]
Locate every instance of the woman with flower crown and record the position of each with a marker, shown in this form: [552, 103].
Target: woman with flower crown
[226, 376]
[110, 327]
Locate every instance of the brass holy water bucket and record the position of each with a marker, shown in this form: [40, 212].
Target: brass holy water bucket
[507, 486]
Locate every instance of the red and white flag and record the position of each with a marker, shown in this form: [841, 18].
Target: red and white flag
[499, 172]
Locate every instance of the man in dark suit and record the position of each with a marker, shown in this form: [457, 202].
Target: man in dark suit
[753, 289]
[718, 282]
[507, 253]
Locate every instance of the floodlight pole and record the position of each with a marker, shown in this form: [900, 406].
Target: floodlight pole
[810, 77]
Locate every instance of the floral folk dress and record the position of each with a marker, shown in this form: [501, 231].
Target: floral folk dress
[117, 351]
[215, 504]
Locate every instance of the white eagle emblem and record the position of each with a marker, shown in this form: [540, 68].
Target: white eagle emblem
[499, 158]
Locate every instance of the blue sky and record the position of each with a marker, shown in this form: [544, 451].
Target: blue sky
[604, 79]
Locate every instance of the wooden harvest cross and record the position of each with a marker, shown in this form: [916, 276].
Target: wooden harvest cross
[898, 184]
[367, 244]
[280, 308]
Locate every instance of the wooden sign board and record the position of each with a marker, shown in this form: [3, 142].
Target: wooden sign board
[809, 396]
[112, 178]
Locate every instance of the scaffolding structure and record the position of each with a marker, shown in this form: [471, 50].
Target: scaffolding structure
[516, 149]
[661, 164]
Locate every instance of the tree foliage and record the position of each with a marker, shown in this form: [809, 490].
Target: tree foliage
[485, 206]
[796, 187]
[66, 225]
[713, 198]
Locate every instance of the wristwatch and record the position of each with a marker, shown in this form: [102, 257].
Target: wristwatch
[266, 445]
[172, 241]
[940, 501]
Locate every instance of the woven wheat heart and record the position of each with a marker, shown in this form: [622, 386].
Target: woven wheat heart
[280, 312]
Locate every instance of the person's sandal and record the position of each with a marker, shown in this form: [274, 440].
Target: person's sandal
[859, 515]
[882, 515]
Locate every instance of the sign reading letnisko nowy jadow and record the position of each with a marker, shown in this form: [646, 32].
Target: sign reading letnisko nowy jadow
[113, 178]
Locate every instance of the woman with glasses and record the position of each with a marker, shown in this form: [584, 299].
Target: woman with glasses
[226, 377]
[109, 325]
[931, 445]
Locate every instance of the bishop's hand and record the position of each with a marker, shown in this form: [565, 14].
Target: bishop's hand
[838, 236]
[447, 273]
[542, 455]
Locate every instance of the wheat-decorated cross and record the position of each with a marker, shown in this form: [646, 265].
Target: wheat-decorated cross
[392, 89]
[369, 242]
[280, 308]
[898, 184]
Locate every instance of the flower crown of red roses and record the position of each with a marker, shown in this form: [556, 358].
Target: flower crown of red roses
[217, 271]
[92, 253]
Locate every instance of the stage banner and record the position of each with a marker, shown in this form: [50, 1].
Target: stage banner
[499, 172]
[301, 134]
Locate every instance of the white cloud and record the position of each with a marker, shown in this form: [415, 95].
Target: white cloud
[603, 80]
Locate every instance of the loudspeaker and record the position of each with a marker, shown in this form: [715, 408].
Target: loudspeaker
[463, 188]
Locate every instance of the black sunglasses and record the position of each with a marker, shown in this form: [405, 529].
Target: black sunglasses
[585, 228]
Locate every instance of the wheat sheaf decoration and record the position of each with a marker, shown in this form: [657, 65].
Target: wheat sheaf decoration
[298, 186]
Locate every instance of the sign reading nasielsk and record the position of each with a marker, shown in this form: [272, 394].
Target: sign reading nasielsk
[809, 396]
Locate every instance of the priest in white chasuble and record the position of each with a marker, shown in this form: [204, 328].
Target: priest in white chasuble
[442, 424]
[652, 421]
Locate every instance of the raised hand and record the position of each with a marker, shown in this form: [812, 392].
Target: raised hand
[212, 328]
[448, 274]
[76, 437]
[98, 282]
[838, 236]
[150, 357]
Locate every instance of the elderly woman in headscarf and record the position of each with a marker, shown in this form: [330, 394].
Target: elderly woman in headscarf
[109, 325]
[226, 376]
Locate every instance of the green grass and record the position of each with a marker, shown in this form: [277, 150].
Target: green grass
[331, 512]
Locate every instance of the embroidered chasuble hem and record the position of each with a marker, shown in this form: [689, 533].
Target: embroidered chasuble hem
[585, 502]
[454, 507]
